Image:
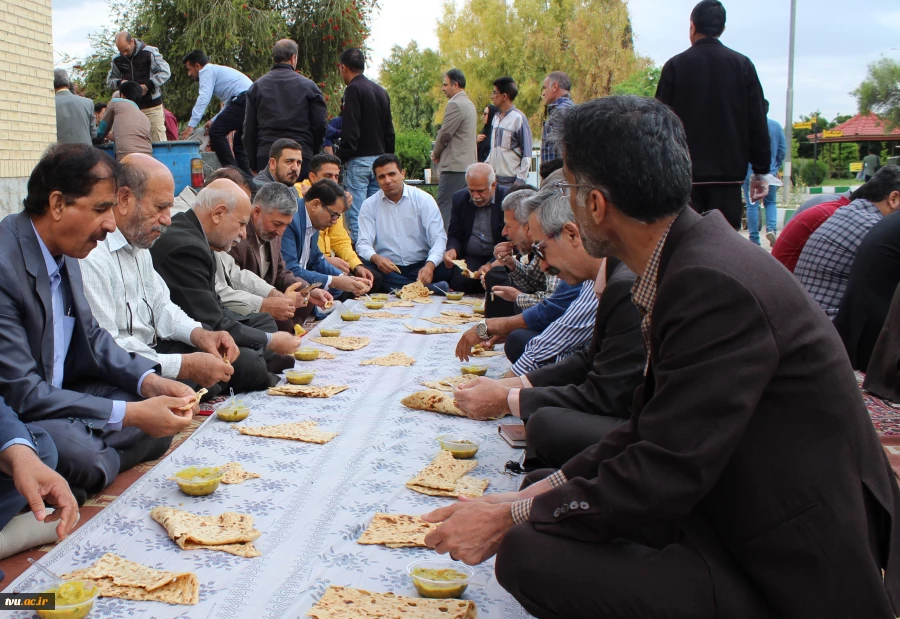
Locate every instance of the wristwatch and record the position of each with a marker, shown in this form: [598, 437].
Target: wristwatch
[481, 330]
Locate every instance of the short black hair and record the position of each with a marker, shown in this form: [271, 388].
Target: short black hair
[99, 107]
[236, 176]
[131, 91]
[873, 150]
[321, 159]
[523, 187]
[507, 86]
[549, 167]
[384, 160]
[708, 18]
[326, 191]
[766, 104]
[885, 182]
[604, 144]
[455, 75]
[196, 57]
[284, 50]
[280, 145]
[354, 59]
[73, 170]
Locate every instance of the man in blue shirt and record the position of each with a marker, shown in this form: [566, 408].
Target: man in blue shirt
[779, 150]
[230, 87]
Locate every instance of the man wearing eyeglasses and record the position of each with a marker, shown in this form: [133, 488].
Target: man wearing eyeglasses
[323, 205]
[131, 301]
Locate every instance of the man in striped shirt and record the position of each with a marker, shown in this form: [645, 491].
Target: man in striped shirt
[511, 138]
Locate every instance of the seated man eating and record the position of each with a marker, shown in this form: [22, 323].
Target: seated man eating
[59, 369]
[401, 231]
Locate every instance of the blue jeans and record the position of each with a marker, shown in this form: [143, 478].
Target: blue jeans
[359, 180]
[753, 212]
[408, 274]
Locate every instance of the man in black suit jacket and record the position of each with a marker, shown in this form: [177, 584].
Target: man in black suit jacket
[749, 481]
[476, 226]
[183, 257]
[59, 369]
[717, 95]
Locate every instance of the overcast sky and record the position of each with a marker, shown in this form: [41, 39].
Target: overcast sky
[836, 40]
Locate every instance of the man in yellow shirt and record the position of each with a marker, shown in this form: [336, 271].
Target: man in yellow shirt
[334, 242]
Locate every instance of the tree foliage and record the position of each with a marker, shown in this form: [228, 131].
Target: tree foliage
[880, 91]
[591, 40]
[642, 81]
[412, 78]
[236, 33]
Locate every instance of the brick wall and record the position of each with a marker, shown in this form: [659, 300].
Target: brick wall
[27, 108]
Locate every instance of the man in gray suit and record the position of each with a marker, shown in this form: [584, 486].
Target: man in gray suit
[75, 120]
[455, 148]
[59, 369]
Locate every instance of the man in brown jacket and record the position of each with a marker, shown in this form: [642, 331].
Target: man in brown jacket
[260, 252]
[749, 481]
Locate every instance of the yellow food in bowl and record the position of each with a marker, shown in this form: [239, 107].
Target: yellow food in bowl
[439, 583]
[374, 305]
[233, 412]
[461, 447]
[350, 316]
[74, 600]
[455, 296]
[306, 354]
[477, 370]
[330, 332]
[379, 296]
[478, 309]
[296, 377]
[199, 481]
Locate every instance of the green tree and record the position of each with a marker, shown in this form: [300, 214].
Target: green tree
[880, 91]
[641, 82]
[412, 78]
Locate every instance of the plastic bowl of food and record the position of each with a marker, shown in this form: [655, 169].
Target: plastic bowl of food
[234, 411]
[379, 296]
[374, 305]
[306, 354]
[74, 600]
[462, 447]
[436, 578]
[455, 296]
[199, 480]
[330, 332]
[478, 309]
[299, 377]
[350, 316]
[477, 370]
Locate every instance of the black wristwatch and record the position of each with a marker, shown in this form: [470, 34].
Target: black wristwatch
[481, 330]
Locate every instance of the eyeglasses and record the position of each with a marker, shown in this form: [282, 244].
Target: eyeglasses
[564, 187]
[130, 317]
[494, 94]
[334, 216]
[538, 249]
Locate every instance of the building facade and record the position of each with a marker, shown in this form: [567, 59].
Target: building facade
[27, 107]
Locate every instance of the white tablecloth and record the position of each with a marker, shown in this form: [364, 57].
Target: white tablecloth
[313, 501]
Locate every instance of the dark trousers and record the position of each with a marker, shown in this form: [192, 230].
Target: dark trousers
[250, 371]
[231, 118]
[724, 197]
[461, 283]
[448, 184]
[553, 435]
[651, 572]
[497, 307]
[516, 342]
[88, 456]
[407, 275]
[11, 502]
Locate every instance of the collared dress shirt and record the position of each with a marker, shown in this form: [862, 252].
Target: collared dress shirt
[115, 273]
[406, 232]
[223, 82]
[308, 235]
[64, 325]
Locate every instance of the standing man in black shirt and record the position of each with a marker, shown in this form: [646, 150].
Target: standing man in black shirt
[717, 95]
[283, 104]
[141, 63]
[368, 132]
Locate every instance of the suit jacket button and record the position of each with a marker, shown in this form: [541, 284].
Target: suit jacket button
[573, 505]
[556, 513]
[564, 508]
[584, 505]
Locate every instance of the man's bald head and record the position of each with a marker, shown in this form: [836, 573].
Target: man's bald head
[223, 209]
[146, 196]
[125, 43]
[482, 183]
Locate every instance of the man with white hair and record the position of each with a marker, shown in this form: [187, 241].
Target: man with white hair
[75, 120]
[217, 221]
[476, 226]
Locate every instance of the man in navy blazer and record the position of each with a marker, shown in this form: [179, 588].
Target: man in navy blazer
[59, 369]
[476, 226]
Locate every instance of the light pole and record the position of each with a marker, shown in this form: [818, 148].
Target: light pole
[789, 121]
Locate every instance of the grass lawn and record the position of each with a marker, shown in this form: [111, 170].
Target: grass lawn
[840, 182]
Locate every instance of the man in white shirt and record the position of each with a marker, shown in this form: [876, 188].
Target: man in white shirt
[401, 231]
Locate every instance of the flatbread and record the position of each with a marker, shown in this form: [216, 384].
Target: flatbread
[443, 472]
[452, 320]
[307, 391]
[195, 401]
[393, 359]
[434, 401]
[235, 473]
[449, 383]
[465, 301]
[457, 314]
[466, 272]
[391, 304]
[431, 330]
[347, 603]
[304, 431]
[343, 343]
[386, 315]
[120, 578]
[413, 291]
[465, 486]
[397, 531]
[231, 532]
[478, 350]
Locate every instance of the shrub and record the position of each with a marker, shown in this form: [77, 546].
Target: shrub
[813, 173]
[413, 148]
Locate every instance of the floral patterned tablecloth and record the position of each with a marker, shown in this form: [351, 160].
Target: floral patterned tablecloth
[313, 501]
